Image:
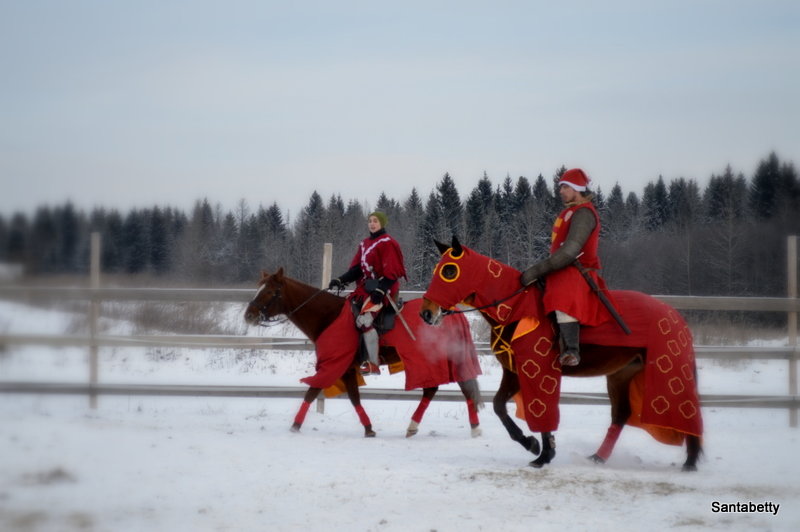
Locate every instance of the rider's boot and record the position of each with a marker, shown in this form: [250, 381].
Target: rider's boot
[371, 342]
[570, 342]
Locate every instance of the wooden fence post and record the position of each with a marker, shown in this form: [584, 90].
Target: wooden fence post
[791, 270]
[327, 266]
[94, 314]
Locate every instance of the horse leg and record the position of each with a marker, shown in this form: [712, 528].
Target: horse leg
[351, 384]
[416, 418]
[694, 446]
[472, 394]
[311, 394]
[548, 450]
[693, 451]
[509, 385]
[617, 384]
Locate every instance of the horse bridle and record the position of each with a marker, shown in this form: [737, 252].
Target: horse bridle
[482, 307]
[276, 296]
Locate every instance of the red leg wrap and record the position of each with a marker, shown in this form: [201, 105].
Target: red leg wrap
[301, 414]
[473, 412]
[608, 444]
[420, 411]
[362, 416]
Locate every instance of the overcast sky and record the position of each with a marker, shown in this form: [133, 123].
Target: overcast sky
[142, 103]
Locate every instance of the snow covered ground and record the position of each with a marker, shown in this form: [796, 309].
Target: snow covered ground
[155, 463]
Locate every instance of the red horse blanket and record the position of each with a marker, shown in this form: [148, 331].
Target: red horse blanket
[669, 397]
[440, 355]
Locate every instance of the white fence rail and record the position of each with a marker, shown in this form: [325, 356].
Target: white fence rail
[96, 295]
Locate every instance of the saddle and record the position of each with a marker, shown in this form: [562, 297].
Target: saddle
[384, 321]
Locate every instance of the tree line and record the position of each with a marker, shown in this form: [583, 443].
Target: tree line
[672, 238]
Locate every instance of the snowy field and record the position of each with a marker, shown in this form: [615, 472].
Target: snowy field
[195, 464]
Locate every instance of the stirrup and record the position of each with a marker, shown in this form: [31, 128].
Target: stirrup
[368, 368]
[569, 358]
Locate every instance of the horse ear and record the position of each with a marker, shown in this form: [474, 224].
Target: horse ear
[456, 245]
[279, 273]
[441, 247]
[264, 274]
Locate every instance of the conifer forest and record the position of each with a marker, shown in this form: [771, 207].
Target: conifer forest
[673, 237]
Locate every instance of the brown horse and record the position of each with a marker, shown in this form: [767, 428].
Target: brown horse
[312, 310]
[466, 277]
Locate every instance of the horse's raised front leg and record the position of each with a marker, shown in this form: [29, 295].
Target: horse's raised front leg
[416, 418]
[509, 385]
[311, 394]
[472, 394]
[351, 385]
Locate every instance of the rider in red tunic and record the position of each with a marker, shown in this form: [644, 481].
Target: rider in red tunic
[376, 266]
[575, 236]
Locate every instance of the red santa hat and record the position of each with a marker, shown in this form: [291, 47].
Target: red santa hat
[575, 178]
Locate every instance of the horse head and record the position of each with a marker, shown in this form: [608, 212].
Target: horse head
[447, 288]
[267, 303]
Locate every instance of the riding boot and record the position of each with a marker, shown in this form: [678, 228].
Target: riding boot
[570, 342]
[370, 338]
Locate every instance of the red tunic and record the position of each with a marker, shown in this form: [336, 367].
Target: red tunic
[378, 257]
[566, 289]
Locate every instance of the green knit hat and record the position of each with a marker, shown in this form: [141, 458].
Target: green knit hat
[382, 218]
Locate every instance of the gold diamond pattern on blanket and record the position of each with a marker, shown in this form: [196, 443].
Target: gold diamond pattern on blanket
[674, 348]
[537, 408]
[664, 364]
[676, 385]
[687, 409]
[549, 384]
[495, 268]
[503, 312]
[543, 347]
[683, 337]
[531, 369]
[660, 404]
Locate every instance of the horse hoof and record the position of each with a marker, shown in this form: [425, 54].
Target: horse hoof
[413, 428]
[689, 467]
[369, 433]
[410, 433]
[596, 459]
[476, 432]
[545, 458]
[295, 428]
[533, 445]
[538, 464]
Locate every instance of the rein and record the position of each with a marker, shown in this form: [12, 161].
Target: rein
[484, 307]
[288, 315]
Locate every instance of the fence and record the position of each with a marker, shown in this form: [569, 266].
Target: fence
[95, 295]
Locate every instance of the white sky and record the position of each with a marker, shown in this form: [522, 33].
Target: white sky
[132, 104]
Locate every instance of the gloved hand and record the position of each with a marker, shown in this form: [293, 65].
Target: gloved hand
[527, 279]
[335, 284]
[376, 296]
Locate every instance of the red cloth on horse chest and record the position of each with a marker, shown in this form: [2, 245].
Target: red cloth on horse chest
[440, 355]
[566, 289]
[378, 257]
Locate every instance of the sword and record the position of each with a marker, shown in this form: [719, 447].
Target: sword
[603, 298]
[371, 284]
[402, 319]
